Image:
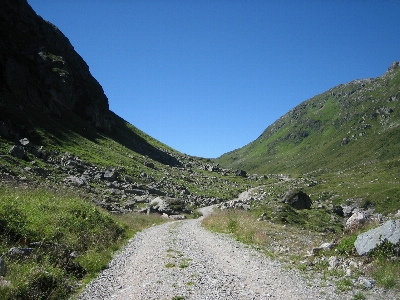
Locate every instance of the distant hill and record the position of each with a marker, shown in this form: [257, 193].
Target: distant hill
[349, 126]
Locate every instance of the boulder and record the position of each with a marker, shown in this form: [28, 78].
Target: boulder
[154, 191]
[241, 173]
[160, 204]
[20, 252]
[338, 210]
[356, 220]
[333, 262]
[77, 181]
[167, 205]
[366, 283]
[110, 175]
[24, 142]
[36, 152]
[17, 151]
[253, 177]
[347, 210]
[368, 241]
[235, 204]
[130, 204]
[149, 164]
[298, 200]
[322, 247]
[135, 192]
[4, 283]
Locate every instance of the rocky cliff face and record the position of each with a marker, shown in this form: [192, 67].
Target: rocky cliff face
[39, 66]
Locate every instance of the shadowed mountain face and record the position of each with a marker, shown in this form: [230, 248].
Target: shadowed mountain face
[45, 84]
[39, 66]
[356, 123]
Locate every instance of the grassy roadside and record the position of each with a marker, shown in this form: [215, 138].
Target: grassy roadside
[274, 239]
[291, 243]
[68, 239]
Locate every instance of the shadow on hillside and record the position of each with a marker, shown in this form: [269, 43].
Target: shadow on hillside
[24, 120]
[124, 135]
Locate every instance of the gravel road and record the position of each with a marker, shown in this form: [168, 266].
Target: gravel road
[181, 259]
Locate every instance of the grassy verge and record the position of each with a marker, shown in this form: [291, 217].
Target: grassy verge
[274, 238]
[70, 239]
[291, 244]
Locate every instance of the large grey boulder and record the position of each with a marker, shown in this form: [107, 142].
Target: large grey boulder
[368, 241]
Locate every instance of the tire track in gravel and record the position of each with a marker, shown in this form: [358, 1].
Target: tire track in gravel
[183, 259]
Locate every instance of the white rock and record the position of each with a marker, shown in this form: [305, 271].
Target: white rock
[356, 220]
[333, 262]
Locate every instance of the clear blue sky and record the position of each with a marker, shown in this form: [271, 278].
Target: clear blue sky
[206, 77]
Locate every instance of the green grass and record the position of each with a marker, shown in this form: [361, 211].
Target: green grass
[344, 284]
[51, 219]
[386, 267]
[346, 245]
[386, 274]
[359, 296]
[272, 237]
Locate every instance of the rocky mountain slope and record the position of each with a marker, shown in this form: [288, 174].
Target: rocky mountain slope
[56, 128]
[39, 65]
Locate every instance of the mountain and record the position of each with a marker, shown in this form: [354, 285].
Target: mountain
[56, 127]
[349, 126]
[45, 84]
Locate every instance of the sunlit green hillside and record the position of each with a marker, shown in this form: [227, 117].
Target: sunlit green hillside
[351, 125]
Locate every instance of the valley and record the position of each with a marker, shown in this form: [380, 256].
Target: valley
[91, 207]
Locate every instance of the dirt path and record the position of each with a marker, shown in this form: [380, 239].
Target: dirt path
[181, 259]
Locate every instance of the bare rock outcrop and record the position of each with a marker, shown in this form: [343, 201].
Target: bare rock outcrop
[368, 241]
[39, 65]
